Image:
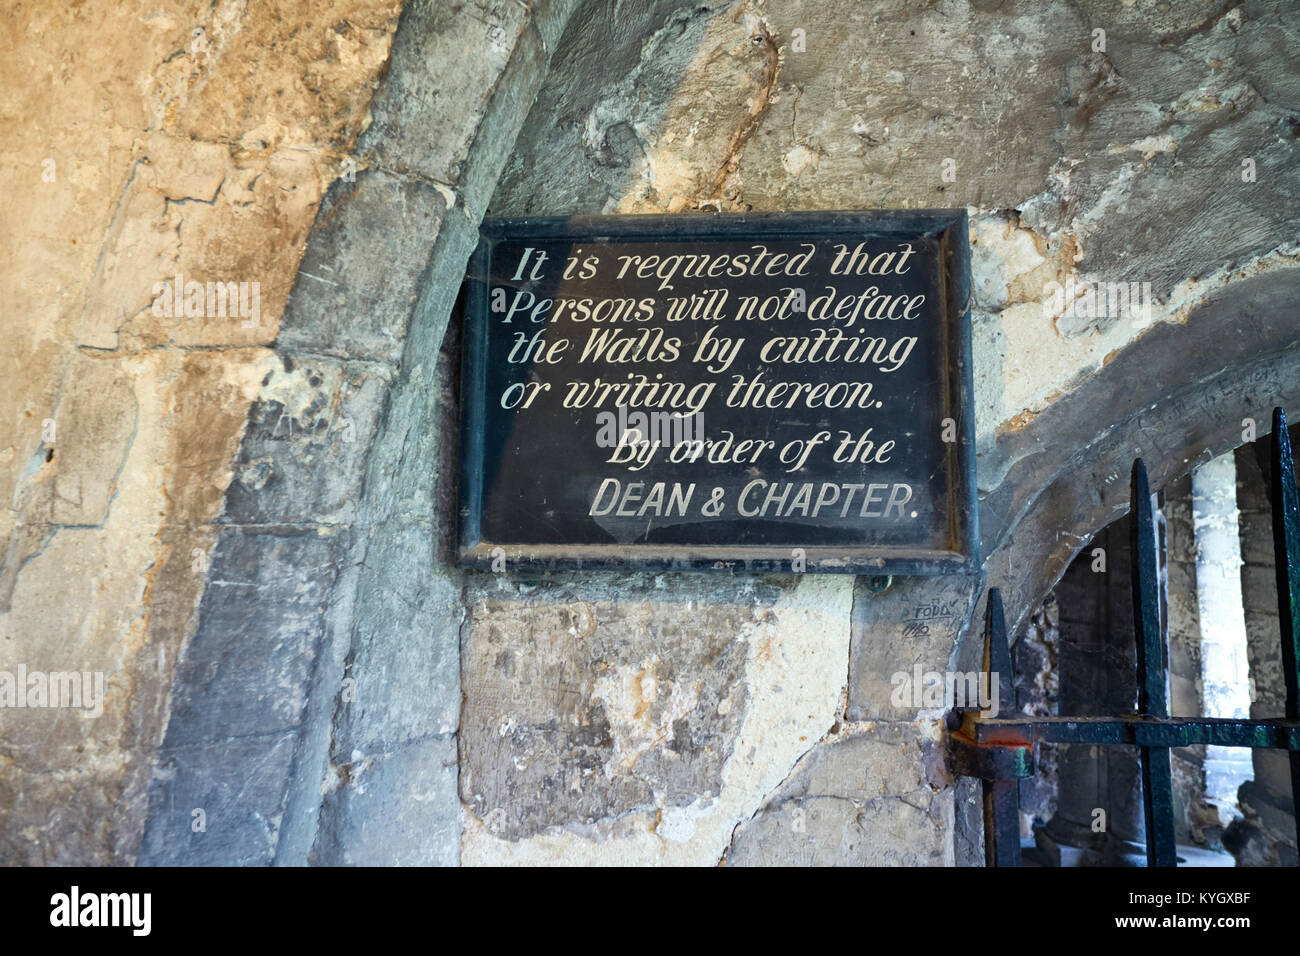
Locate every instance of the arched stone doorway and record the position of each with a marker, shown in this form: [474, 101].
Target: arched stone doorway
[344, 561]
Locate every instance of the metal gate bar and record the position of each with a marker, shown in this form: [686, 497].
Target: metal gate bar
[1286, 555]
[1000, 751]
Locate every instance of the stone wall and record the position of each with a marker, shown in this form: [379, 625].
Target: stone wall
[1063, 166]
[245, 524]
[1265, 836]
[145, 141]
[360, 766]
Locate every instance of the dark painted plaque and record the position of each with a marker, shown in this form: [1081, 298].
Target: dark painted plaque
[777, 392]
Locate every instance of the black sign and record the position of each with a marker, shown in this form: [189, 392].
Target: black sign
[757, 392]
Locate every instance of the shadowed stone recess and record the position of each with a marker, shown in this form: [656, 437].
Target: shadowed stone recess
[1049, 486]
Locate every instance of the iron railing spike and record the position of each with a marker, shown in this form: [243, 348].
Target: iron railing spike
[1286, 558]
[1157, 777]
[999, 751]
[1001, 796]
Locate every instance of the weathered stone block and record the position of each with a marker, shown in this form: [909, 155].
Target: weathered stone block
[874, 797]
[916, 621]
[362, 267]
[426, 121]
[65, 818]
[243, 673]
[393, 809]
[304, 448]
[239, 786]
[403, 671]
[585, 710]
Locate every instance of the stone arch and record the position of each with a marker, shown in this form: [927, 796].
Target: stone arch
[331, 556]
[372, 575]
[1175, 397]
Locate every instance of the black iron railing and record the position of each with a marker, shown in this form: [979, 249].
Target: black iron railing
[1001, 751]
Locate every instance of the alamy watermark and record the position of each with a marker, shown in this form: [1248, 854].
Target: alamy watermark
[83, 690]
[635, 436]
[1098, 300]
[211, 300]
[933, 690]
[74, 908]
